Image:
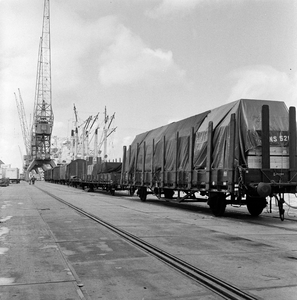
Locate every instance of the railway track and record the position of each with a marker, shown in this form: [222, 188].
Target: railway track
[215, 284]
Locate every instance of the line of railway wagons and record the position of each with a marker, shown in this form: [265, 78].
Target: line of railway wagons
[83, 173]
[240, 153]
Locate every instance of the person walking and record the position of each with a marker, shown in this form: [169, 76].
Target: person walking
[33, 179]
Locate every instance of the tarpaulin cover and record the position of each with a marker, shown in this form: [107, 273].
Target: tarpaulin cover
[107, 167]
[248, 136]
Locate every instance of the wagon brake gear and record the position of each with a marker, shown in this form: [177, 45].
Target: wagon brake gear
[142, 193]
[241, 184]
[188, 195]
[131, 191]
[281, 202]
[217, 203]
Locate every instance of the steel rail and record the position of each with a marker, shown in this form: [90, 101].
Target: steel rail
[215, 284]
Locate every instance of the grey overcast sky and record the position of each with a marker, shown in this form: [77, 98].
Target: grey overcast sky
[149, 61]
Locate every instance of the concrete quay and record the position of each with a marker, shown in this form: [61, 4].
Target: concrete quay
[50, 252]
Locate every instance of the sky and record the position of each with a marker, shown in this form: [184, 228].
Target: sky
[151, 62]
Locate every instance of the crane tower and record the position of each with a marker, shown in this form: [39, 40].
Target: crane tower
[43, 117]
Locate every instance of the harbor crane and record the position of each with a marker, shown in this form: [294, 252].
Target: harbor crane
[43, 117]
[24, 127]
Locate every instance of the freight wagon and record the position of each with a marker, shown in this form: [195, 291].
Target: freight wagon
[56, 175]
[106, 176]
[48, 175]
[85, 174]
[75, 172]
[239, 153]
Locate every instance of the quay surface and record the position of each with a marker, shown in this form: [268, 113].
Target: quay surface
[50, 252]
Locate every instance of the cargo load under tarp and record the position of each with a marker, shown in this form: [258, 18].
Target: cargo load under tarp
[248, 136]
[107, 167]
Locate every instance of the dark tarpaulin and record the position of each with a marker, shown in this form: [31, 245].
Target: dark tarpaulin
[248, 116]
[183, 127]
[107, 167]
[248, 136]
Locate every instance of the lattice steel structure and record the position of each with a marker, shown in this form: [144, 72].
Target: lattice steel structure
[43, 117]
[23, 122]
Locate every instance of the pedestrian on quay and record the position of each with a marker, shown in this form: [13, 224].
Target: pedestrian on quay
[32, 179]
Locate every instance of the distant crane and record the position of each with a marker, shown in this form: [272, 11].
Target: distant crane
[107, 131]
[80, 142]
[43, 117]
[23, 121]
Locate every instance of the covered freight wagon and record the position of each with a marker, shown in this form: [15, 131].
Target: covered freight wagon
[106, 175]
[75, 172]
[59, 174]
[48, 175]
[63, 170]
[239, 153]
[56, 174]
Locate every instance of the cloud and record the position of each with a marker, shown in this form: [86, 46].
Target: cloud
[110, 51]
[264, 82]
[173, 7]
[128, 60]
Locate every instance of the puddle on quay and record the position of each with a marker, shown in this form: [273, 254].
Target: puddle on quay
[3, 250]
[6, 203]
[49, 247]
[68, 272]
[3, 230]
[68, 252]
[6, 280]
[5, 219]
[104, 247]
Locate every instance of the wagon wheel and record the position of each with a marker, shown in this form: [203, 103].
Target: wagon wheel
[131, 191]
[281, 210]
[157, 192]
[255, 205]
[217, 204]
[142, 193]
[91, 188]
[168, 193]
